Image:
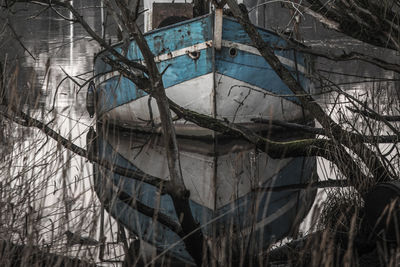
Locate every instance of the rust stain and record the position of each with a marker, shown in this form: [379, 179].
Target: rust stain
[159, 44]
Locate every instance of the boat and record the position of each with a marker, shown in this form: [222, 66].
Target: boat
[209, 66]
[225, 181]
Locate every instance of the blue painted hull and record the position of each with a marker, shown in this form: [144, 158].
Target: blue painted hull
[185, 52]
[263, 217]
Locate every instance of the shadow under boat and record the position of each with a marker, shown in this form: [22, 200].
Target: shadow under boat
[224, 179]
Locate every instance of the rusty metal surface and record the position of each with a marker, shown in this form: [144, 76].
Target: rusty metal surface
[161, 11]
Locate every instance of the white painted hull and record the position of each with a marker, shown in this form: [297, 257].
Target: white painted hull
[235, 100]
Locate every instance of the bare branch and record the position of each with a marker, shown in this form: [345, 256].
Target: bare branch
[333, 25]
[89, 30]
[291, 125]
[333, 130]
[296, 148]
[295, 187]
[376, 116]
[357, 19]
[19, 40]
[27, 121]
[162, 218]
[350, 56]
[179, 193]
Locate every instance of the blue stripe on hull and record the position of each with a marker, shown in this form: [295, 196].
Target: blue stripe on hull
[233, 31]
[253, 69]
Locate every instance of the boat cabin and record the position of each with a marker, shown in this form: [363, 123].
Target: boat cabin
[161, 13]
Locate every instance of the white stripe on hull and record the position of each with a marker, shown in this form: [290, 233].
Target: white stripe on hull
[253, 50]
[236, 101]
[183, 51]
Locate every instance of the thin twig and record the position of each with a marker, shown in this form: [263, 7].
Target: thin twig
[19, 40]
[295, 187]
[376, 116]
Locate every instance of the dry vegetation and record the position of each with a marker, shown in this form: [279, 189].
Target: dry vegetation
[50, 215]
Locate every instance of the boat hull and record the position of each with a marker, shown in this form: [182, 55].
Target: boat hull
[223, 195]
[234, 83]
